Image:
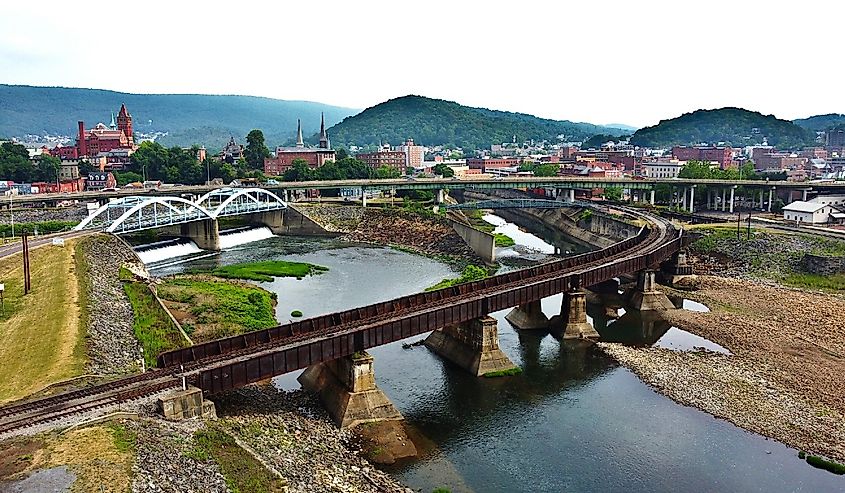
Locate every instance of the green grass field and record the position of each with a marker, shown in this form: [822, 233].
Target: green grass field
[153, 328]
[42, 332]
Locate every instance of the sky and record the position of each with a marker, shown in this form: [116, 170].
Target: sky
[630, 62]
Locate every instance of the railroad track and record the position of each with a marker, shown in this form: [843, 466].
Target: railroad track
[28, 414]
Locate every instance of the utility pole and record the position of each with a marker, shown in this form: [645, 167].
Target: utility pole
[748, 236]
[26, 282]
[738, 225]
[11, 215]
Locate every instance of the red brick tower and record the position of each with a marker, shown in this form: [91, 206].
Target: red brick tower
[124, 123]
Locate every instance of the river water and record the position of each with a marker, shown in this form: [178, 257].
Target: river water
[573, 421]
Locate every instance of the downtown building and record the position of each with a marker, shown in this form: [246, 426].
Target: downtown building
[721, 155]
[314, 157]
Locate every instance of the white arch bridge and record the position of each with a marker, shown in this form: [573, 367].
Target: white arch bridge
[130, 214]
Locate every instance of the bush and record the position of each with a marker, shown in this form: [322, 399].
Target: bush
[470, 273]
[296, 313]
[827, 465]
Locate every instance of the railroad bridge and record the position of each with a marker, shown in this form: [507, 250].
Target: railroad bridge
[197, 220]
[332, 348]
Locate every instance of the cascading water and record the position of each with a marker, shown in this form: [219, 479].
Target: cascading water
[229, 240]
[156, 252]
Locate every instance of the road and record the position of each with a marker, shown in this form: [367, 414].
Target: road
[16, 247]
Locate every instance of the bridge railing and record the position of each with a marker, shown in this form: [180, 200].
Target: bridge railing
[323, 322]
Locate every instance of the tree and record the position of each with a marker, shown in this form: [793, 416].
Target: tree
[613, 193]
[255, 150]
[385, 172]
[443, 170]
[127, 177]
[48, 168]
[299, 171]
[341, 154]
[546, 170]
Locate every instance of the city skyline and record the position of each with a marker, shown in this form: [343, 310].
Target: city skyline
[581, 63]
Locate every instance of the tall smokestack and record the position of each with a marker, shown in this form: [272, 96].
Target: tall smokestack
[81, 144]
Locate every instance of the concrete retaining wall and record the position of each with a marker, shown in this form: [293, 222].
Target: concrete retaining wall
[823, 265]
[483, 244]
[297, 223]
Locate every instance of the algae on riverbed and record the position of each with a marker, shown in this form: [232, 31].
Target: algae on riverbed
[267, 270]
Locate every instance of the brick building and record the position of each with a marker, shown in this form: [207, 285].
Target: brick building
[492, 163]
[101, 138]
[384, 157]
[721, 155]
[314, 157]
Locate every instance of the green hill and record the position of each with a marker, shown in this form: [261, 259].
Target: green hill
[734, 126]
[819, 123]
[437, 122]
[188, 118]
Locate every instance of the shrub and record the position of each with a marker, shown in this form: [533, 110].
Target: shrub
[827, 465]
[296, 313]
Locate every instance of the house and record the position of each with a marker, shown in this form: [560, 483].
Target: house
[809, 212]
[99, 180]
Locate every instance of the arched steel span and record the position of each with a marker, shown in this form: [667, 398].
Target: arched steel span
[149, 212]
[233, 201]
[138, 213]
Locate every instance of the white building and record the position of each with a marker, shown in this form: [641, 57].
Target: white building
[665, 169]
[809, 212]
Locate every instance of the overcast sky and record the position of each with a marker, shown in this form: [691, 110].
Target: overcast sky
[632, 62]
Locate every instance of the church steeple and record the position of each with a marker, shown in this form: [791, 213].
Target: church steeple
[112, 125]
[299, 141]
[324, 139]
[124, 123]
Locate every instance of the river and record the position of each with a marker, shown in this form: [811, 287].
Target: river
[573, 421]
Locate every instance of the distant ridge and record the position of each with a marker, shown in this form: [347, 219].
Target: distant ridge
[820, 123]
[438, 122]
[189, 118]
[733, 126]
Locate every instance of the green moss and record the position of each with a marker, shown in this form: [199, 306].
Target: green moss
[152, 325]
[827, 465]
[503, 240]
[470, 273]
[296, 313]
[441, 490]
[267, 270]
[802, 454]
[242, 472]
[503, 373]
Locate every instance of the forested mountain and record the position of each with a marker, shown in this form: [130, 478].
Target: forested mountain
[437, 122]
[733, 126]
[188, 118]
[819, 123]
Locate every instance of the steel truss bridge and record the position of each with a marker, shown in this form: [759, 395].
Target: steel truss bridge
[233, 362]
[519, 204]
[129, 214]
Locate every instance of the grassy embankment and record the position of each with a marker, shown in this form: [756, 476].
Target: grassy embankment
[476, 216]
[773, 254]
[152, 326]
[42, 332]
[243, 473]
[217, 304]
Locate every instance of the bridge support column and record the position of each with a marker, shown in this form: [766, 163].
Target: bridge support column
[205, 233]
[473, 346]
[347, 388]
[651, 197]
[771, 191]
[571, 193]
[804, 195]
[529, 316]
[731, 203]
[572, 322]
[441, 196]
[363, 198]
[677, 271]
[183, 404]
[692, 199]
[646, 296]
[724, 205]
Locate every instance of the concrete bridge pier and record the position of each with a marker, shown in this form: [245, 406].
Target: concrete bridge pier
[473, 345]
[441, 196]
[731, 203]
[347, 388]
[272, 219]
[677, 269]
[572, 322]
[529, 316]
[205, 233]
[646, 296]
[692, 199]
[724, 205]
[651, 197]
[571, 195]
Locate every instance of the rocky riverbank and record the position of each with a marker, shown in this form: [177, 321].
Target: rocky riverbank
[291, 432]
[427, 235]
[112, 347]
[782, 380]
